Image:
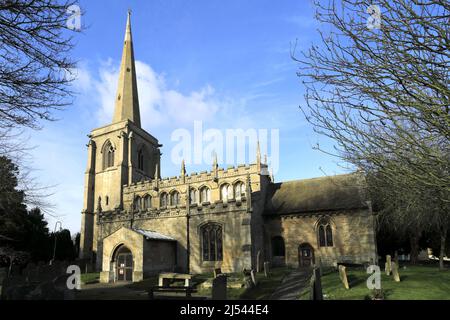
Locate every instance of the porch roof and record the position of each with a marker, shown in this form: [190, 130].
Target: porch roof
[152, 235]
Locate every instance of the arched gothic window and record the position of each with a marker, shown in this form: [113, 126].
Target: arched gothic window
[164, 200]
[239, 189]
[174, 198]
[211, 235]
[141, 159]
[205, 195]
[137, 203]
[147, 202]
[278, 248]
[325, 233]
[193, 196]
[108, 155]
[226, 192]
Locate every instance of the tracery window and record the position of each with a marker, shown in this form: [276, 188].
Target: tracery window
[205, 195]
[164, 200]
[239, 189]
[226, 192]
[147, 202]
[174, 198]
[325, 233]
[211, 235]
[108, 155]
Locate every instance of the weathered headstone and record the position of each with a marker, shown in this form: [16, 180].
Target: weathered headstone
[396, 257]
[266, 269]
[311, 288]
[395, 273]
[219, 287]
[217, 271]
[320, 265]
[317, 284]
[343, 276]
[388, 265]
[252, 274]
[3, 275]
[258, 262]
[247, 279]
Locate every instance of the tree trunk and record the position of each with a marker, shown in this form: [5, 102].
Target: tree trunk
[442, 251]
[414, 242]
[10, 267]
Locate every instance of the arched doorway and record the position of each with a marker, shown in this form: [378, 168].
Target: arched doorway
[305, 255]
[123, 264]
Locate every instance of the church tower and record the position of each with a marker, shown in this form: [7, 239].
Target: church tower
[119, 154]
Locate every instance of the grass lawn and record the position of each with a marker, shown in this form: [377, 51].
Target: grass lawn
[92, 277]
[423, 282]
[265, 287]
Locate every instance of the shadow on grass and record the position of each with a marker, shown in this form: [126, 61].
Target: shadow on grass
[353, 280]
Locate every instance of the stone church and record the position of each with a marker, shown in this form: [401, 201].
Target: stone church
[136, 223]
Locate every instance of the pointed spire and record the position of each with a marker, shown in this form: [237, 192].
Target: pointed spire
[127, 102]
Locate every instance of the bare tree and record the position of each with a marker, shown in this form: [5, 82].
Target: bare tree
[35, 66]
[35, 75]
[381, 92]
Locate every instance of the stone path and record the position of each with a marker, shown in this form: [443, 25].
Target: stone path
[292, 285]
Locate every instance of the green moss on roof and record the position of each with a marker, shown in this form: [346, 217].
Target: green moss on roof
[340, 192]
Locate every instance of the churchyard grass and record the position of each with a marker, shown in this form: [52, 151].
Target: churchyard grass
[92, 277]
[264, 289]
[421, 282]
[265, 286]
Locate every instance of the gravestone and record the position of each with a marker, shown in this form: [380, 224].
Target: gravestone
[395, 273]
[3, 275]
[258, 262]
[317, 285]
[388, 265]
[343, 276]
[252, 274]
[247, 279]
[320, 265]
[311, 288]
[396, 257]
[217, 271]
[266, 269]
[219, 287]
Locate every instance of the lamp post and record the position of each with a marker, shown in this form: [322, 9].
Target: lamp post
[54, 233]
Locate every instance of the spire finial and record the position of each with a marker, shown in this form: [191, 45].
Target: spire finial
[128, 28]
[258, 153]
[183, 168]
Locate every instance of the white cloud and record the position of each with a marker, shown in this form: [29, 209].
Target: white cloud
[159, 104]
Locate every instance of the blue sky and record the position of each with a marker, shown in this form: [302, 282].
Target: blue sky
[229, 58]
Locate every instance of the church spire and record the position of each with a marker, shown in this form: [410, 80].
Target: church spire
[127, 102]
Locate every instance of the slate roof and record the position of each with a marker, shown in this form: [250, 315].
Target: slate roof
[340, 192]
[152, 235]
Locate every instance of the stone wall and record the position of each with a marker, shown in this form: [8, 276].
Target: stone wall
[353, 236]
[159, 256]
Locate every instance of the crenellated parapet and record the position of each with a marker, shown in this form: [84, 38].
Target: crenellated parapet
[214, 207]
